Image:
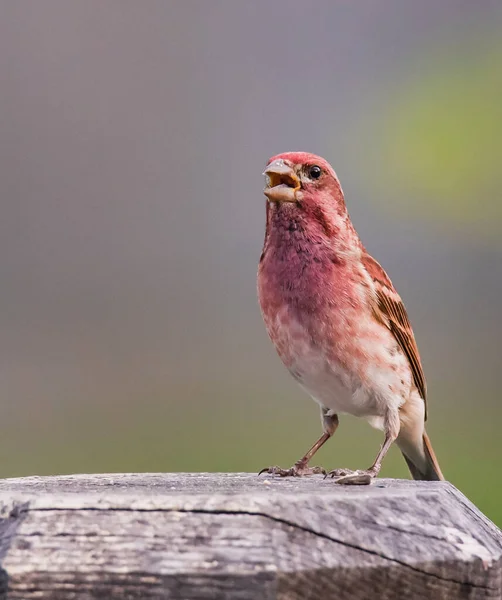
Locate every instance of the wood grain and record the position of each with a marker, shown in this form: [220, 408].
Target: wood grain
[236, 536]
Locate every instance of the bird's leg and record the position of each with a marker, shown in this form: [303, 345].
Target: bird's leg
[301, 466]
[330, 423]
[364, 477]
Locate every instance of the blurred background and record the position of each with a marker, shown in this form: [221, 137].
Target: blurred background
[133, 136]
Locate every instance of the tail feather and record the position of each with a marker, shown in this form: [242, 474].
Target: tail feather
[423, 464]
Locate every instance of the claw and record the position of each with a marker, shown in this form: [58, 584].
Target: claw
[318, 471]
[339, 473]
[277, 471]
[297, 470]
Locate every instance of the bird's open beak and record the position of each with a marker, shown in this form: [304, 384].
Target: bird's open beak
[282, 182]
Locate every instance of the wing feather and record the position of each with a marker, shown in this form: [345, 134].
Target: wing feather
[390, 310]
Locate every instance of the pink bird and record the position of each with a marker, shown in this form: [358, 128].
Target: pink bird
[336, 320]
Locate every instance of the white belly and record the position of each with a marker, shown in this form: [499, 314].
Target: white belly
[332, 387]
[363, 392]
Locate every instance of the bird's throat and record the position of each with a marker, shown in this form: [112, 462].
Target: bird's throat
[299, 261]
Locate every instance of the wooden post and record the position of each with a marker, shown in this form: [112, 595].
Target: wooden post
[237, 536]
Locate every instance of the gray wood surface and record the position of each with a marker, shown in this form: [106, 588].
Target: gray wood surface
[236, 536]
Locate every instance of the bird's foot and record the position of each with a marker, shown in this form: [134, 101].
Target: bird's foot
[349, 477]
[299, 469]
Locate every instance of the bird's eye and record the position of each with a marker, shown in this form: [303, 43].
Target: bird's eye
[315, 172]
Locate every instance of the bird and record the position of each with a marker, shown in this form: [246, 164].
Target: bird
[336, 320]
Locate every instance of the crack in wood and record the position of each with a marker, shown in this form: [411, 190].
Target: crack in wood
[190, 535]
[275, 519]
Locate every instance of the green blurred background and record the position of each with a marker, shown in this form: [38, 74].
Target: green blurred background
[133, 137]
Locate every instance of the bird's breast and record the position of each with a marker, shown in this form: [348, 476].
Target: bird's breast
[318, 315]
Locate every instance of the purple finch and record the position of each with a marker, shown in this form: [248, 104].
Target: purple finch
[336, 320]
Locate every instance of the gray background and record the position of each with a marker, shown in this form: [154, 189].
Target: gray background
[133, 136]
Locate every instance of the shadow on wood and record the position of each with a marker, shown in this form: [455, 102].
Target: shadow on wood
[237, 536]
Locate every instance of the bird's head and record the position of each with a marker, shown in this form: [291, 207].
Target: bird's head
[306, 183]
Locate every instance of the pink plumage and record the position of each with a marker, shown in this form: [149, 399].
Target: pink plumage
[335, 318]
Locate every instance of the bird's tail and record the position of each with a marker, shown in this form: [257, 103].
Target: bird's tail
[421, 461]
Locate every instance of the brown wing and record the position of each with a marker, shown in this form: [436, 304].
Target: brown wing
[391, 311]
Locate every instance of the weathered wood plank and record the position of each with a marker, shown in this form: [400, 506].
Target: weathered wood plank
[237, 536]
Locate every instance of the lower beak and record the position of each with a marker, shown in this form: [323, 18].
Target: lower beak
[282, 183]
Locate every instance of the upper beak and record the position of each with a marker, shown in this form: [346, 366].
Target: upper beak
[282, 182]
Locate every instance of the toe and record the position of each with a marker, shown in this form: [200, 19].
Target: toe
[297, 470]
[339, 473]
[278, 471]
[272, 471]
[318, 471]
